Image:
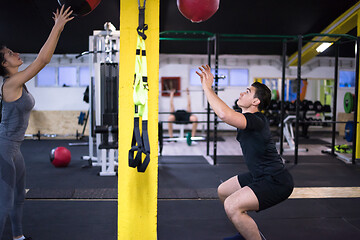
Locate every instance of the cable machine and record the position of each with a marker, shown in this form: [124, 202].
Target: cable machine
[103, 99]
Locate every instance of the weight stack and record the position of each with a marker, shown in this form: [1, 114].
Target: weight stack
[109, 75]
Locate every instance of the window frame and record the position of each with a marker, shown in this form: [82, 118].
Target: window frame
[57, 76]
[192, 70]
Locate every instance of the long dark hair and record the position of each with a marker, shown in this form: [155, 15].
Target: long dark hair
[3, 71]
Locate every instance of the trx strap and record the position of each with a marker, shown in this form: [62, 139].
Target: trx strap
[140, 142]
[142, 26]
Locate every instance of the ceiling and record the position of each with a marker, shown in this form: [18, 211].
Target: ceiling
[25, 24]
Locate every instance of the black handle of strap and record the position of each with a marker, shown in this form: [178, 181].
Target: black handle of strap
[142, 146]
[145, 141]
[136, 139]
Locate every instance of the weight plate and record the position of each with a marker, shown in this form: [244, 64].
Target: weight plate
[348, 102]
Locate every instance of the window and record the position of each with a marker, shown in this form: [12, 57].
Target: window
[67, 76]
[46, 77]
[233, 77]
[84, 75]
[347, 78]
[63, 76]
[239, 77]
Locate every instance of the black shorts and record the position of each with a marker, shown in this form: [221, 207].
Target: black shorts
[270, 190]
[182, 116]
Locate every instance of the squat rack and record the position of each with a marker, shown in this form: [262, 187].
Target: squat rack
[284, 39]
[337, 40]
[210, 38]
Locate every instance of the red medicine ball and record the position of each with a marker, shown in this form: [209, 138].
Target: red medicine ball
[60, 157]
[80, 7]
[198, 10]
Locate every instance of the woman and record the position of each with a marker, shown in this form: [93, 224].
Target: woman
[17, 103]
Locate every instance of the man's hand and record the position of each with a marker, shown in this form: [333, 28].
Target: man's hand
[206, 77]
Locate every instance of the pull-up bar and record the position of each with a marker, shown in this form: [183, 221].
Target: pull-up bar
[194, 90]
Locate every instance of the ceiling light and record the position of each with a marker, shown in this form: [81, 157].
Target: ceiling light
[355, 48]
[323, 47]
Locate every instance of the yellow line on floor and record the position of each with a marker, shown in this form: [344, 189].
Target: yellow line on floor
[325, 192]
[298, 193]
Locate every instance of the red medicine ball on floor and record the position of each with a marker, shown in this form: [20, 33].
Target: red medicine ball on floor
[80, 7]
[60, 157]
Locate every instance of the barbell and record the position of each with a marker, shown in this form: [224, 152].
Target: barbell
[39, 135]
[189, 112]
[190, 90]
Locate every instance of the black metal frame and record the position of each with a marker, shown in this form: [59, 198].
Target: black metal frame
[217, 38]
[211, 39]
[333, 122]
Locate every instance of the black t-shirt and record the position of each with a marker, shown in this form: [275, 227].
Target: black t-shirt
[258, 148]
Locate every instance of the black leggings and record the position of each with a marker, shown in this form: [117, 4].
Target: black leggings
[12, 186]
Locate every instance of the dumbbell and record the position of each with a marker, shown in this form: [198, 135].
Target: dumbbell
[289, 106]
[318, 107]
[308, 105]
[274, 105]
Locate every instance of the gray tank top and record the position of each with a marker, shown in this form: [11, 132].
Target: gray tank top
[15, 116]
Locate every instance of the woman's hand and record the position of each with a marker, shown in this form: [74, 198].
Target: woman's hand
[62, 17]
[206, 77]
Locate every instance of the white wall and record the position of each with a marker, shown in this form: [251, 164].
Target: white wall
[56, 98]
[70, 98]
[258, 66]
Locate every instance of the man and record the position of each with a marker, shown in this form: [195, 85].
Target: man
[181, 116]
[268, 182]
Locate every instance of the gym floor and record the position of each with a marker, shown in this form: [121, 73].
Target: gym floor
[74, 203]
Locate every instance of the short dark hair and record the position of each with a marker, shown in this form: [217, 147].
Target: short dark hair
[3, 71]
[263, 93]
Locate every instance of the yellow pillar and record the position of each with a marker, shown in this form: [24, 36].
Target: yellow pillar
[357, 147]
[137, 192]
